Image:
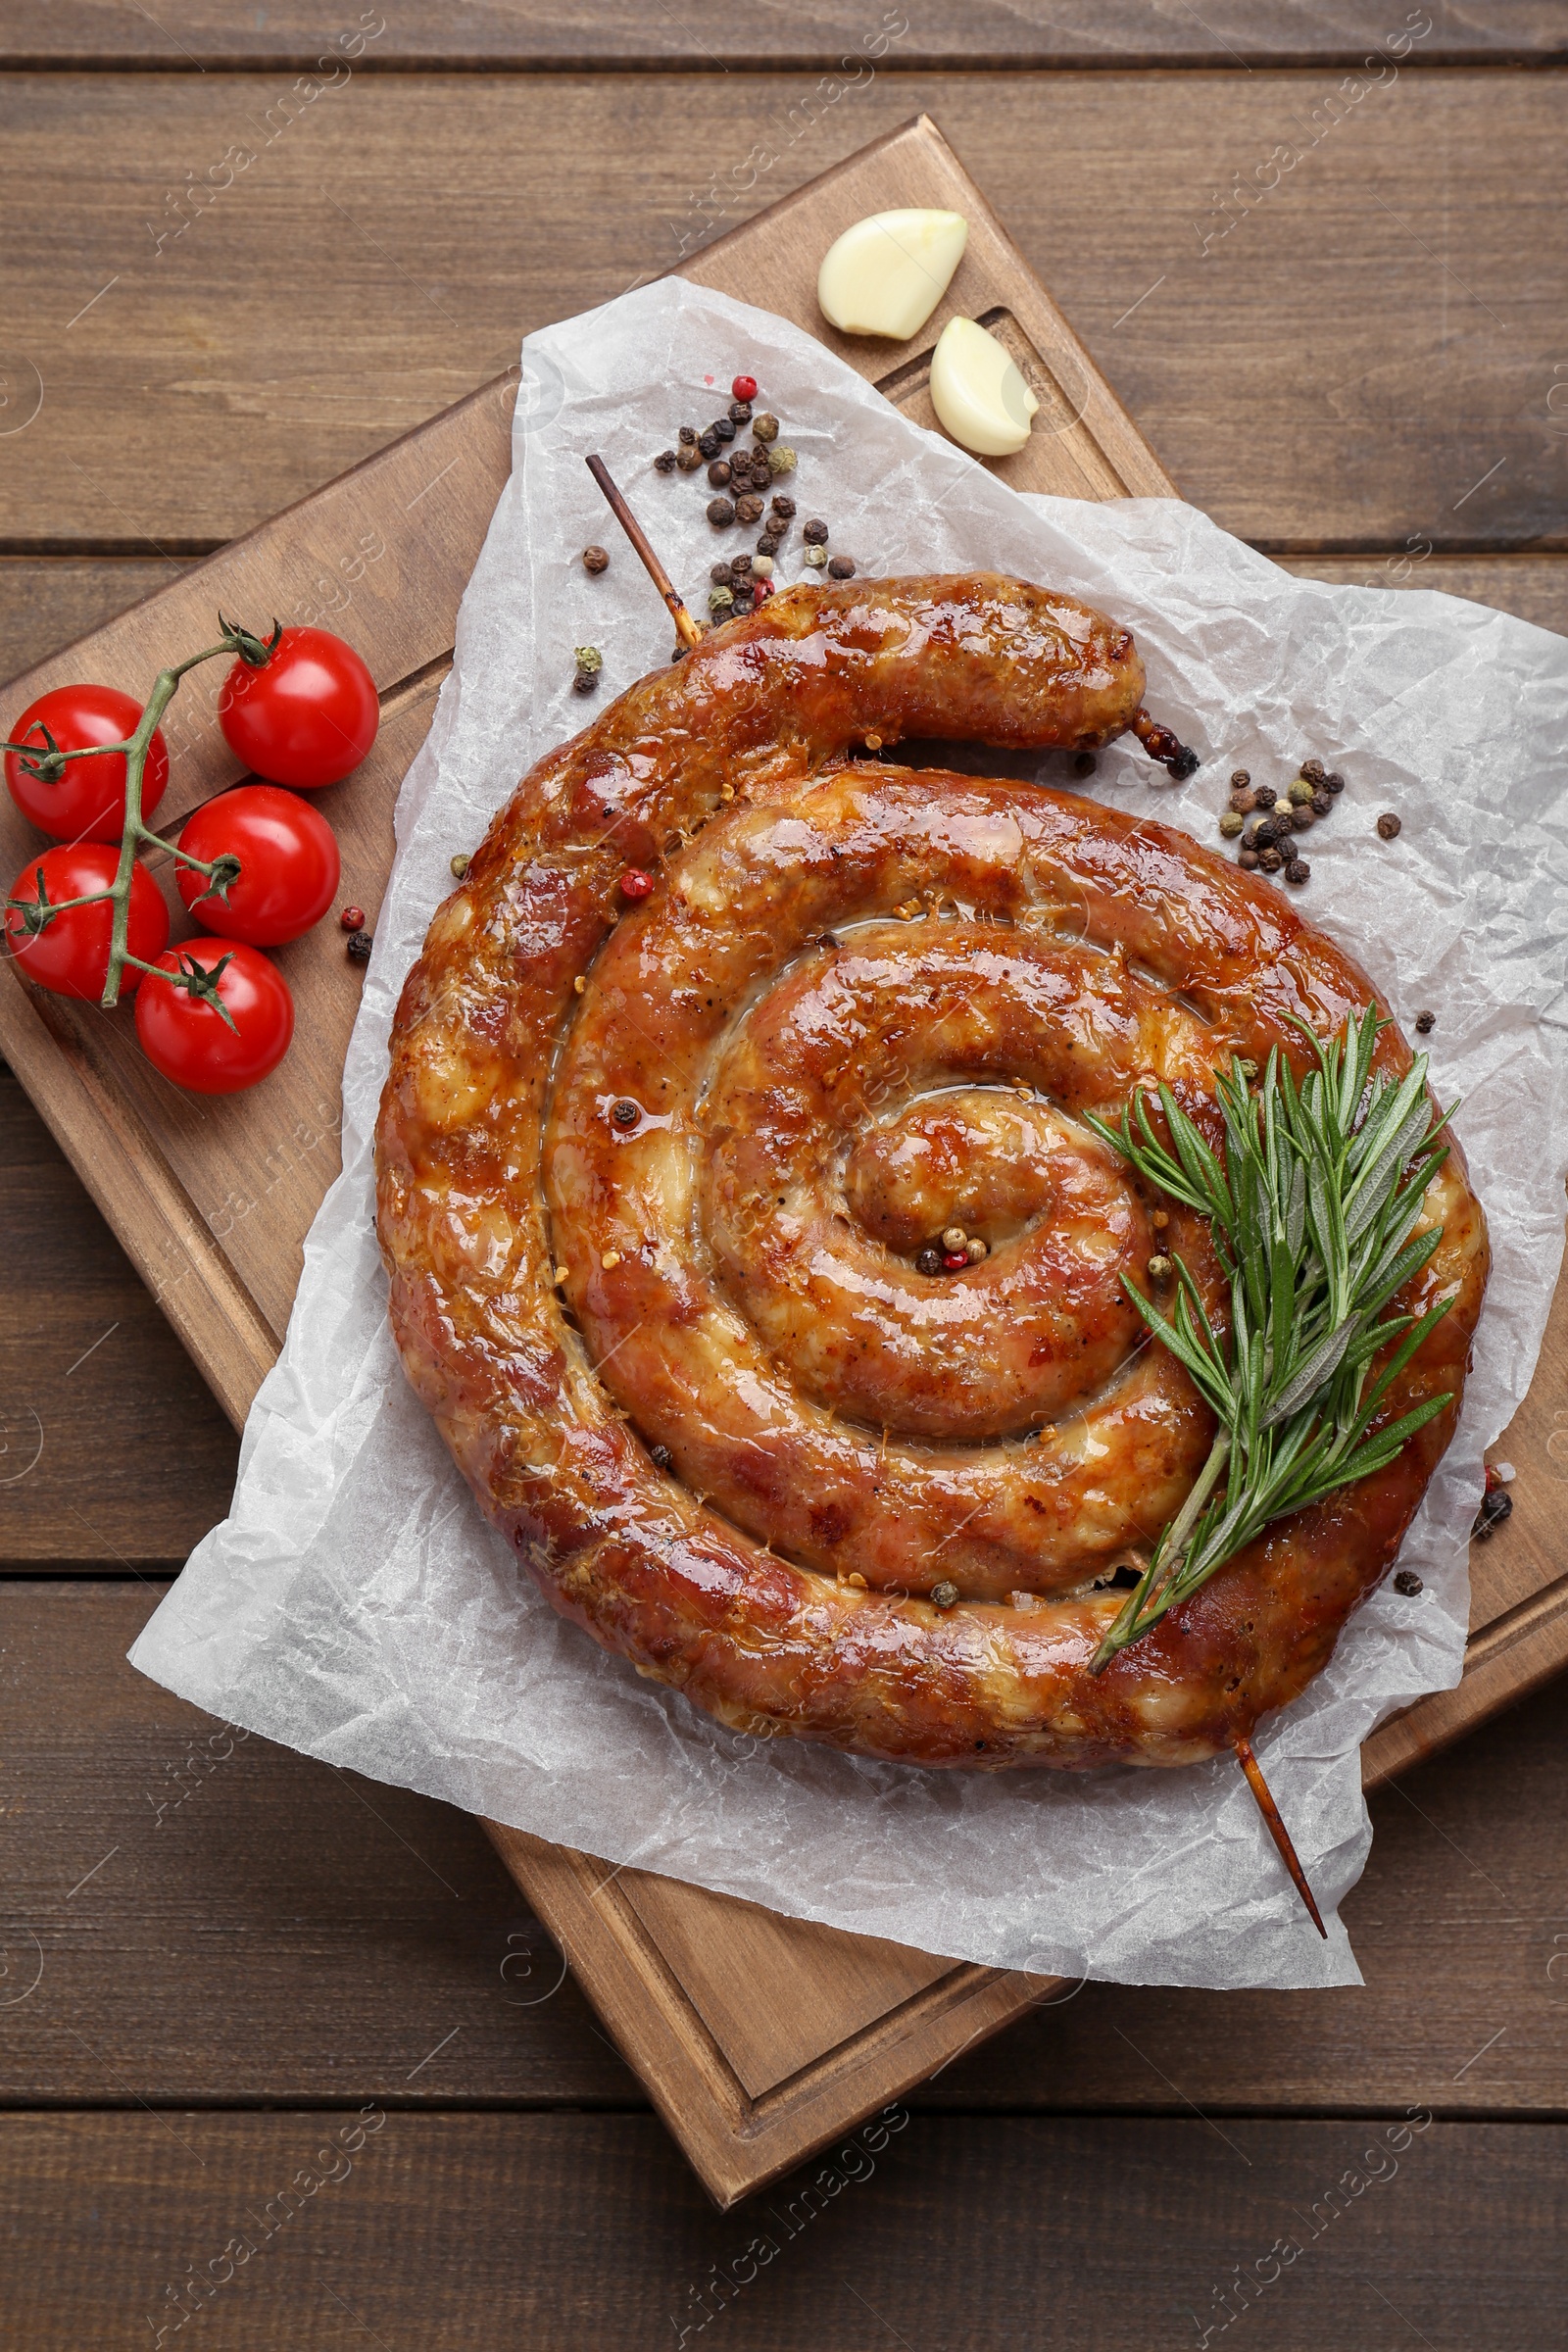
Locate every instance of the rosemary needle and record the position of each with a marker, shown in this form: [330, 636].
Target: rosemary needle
[1312, 1211]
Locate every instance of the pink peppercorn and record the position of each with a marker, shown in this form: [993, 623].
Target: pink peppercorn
[635, 884]
[743, 387]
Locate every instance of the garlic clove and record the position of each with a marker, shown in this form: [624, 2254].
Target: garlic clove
[886, 276]
[979, 395]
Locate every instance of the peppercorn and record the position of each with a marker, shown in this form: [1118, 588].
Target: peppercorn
[723, 574]
[741, 564]
[780, 459]
[585, 681]
[635, 884]
[1084, 764]
[1301, 792]
[767, 545]
[688, 432]
[748, 508]
[1262, 836]
[359, 946]
[1270, 859]
[740, 411]
[459, 866]
[688, 457]
[817, 556]
[762, 590]
[1388, 825]
[762, 566]
[765, 428]
[1283, 809]
[660, 1457]
[1160, 1267]
[1241, 778]
[1297, 871]
[1425, 1023]
[1408, 1583]
[721, 601]
[595, 559]
[1247, 858]
[841, 567]
[1312, 770]
[709, 443]
[1231, 823]
[1304, 820]
[945, 1595]
[929, 1261]
[665, 461]
[975, 1249]
[1247, 1065]
[954, 1238]
[1185, 764]
[1334, 781]
[1495, 1507]
[1244, 800]
[1321, 802]
[625, 1113]
[352, 918]
[1159, 1218]
[718, 475]
[815, 533]
[783, 506]
[745, 388]
[719, 512]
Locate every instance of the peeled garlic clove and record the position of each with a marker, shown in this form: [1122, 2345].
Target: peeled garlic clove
[886, 276]
[977, 391]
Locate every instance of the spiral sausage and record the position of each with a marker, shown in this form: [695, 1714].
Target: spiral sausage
[652, 1182]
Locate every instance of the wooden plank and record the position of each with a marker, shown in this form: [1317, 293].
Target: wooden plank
[812, 35]
[284, 1930]
[309, 337]
[711, 2069]
[572, 2231]
[47, 602]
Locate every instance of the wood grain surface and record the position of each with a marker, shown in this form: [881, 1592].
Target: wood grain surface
[705, 37]
[1338, 372]
[1322, 382]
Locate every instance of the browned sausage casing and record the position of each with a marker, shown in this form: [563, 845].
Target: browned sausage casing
[653, 1179]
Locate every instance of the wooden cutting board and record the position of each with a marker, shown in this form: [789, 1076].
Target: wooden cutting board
[760, 2037]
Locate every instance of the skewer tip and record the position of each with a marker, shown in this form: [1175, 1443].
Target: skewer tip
[1277, 1830]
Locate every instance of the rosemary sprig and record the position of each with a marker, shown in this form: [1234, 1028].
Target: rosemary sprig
[1312, 1211]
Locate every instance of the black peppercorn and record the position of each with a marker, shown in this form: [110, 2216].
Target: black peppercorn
[1304, 818]
[1408, 1583]
[665, 461]
[595, 559]
[722, 575]
[946, 1596]
[1084, 764]
[1270, 859]
[783, 506]
[747, 508]
[719, 512]
[1263, 835]
[841, 567]
[740, 411]
[688, 432]
[1321, 802]
[1334, 781]
[1185, 764]
[929, 1261]
[660, 1457]
[688, 457]
[767, 545]
[625, 1113]
[1297, 871]
[1248, 859]
[1314, 770]
[814, 534]
[710, 443]
[1425, 1023]
[722, 426]
[1495, 1509]
[1388, 825]
[739, 565]
[356, 946]
[719, 474]
[584, 681]
[1241, 778]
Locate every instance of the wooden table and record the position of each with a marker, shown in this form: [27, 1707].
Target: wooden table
[214, 1955]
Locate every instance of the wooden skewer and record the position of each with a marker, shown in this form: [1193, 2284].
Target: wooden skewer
[1277, 1830]
[686, 629]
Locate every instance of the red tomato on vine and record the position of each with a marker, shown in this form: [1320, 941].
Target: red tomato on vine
[89, 800]
[70, 955]
[305, 716]
[288, 864]
[189, 1040]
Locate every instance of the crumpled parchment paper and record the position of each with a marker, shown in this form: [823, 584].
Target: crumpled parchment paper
[356, 1605]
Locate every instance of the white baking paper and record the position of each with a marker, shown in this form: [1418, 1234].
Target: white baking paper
[356, 1605]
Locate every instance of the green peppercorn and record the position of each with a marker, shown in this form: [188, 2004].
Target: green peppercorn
[1301, 792]
[765, 428]
[780, 459]
[1231, 823]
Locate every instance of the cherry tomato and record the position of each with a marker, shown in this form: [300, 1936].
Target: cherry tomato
[308, 717]
[190, 1041]
[89, 799]
[288, 862]
[70, 954]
